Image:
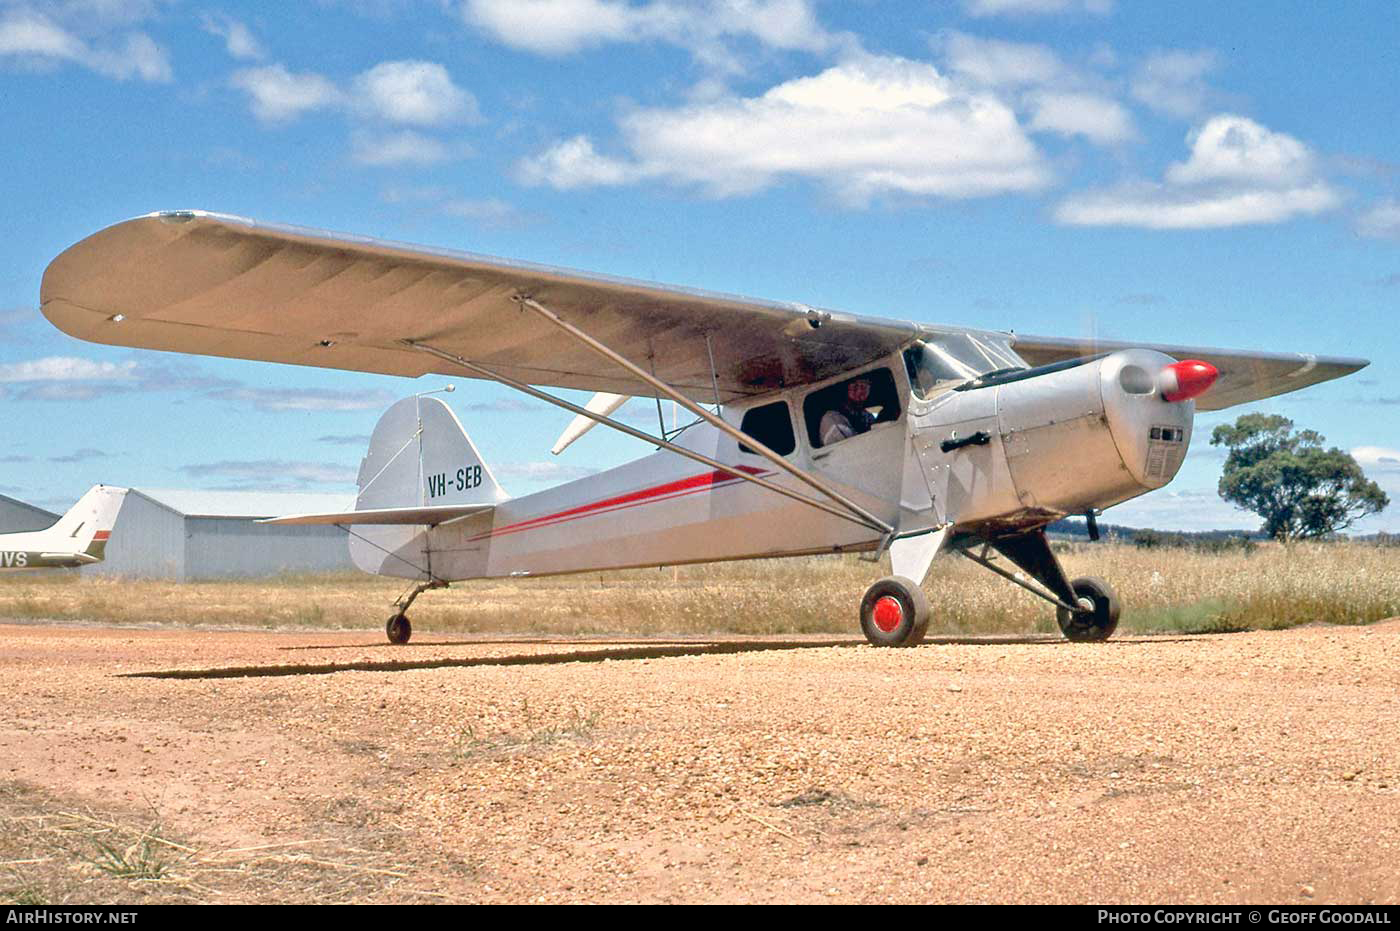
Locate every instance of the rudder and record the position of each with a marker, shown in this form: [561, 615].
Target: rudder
[87, 525]
[419, 456]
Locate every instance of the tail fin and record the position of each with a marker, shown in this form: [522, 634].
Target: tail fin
[88, 524]
[419, 457]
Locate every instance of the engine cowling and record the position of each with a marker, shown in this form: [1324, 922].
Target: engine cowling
[1096, 434]
[1064, 440]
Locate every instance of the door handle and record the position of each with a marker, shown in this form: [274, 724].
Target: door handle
[980, 438]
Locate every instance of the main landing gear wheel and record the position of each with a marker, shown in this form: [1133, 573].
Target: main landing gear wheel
[1099, 618]
[894, 613]
[398, 628]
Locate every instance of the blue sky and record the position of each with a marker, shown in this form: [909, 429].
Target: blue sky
[1200, 173]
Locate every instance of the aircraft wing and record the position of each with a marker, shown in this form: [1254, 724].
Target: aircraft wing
[428, 516]
[224, 286]
[1244, 376]
[219, 285]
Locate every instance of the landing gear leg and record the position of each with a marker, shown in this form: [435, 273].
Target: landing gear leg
[397, 628]
[1087, 608]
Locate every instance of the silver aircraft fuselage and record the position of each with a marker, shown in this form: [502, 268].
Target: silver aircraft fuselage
[1013, 454]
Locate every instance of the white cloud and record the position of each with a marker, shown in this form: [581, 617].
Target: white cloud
[1381, 221]
[784, 24]
[1173, 508]
[399, 148]
[80, 455]
[23, 32]
[1096, 118]
[1162, 208]
[559, 27]
[1053, 96]
[553, 27]
[420, 93]
[1234, 148]
[1239, 173]
[30, 38]
[238, 38]
[573, 163]
[864, 128]
[261, 471]
[1381, 458]
[1174, 82]
[71, 378]
[1035, 7]
[1382, 466]
[304, 399]
[416, 93]
[65, 368]
[489, 213]
[99, 13]
[998, 63]
[277, 95]
[139, 57]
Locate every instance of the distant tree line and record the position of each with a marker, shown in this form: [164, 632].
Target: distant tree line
[1301, 489]
[1211, 541]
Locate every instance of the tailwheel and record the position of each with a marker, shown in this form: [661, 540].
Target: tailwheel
[1098, 617]
[894, 613]
[398, 629]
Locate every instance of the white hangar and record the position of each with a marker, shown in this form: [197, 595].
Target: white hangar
[18, 517]
[190, 535]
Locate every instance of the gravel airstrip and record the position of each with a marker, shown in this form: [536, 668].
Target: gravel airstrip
[216, 766]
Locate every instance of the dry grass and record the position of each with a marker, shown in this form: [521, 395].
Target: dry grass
[1162, 590]
[55, 850]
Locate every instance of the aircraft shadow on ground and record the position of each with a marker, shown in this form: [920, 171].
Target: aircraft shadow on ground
[658, 651]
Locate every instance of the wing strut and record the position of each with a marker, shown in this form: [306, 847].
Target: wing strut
[872, 524]
[712, 419]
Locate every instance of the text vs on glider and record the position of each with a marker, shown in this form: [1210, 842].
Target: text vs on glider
[824, 432]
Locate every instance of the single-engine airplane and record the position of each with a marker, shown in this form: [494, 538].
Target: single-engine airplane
[78, 538]
[816, 431]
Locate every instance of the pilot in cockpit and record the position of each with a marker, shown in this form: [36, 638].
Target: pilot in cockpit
[851, 417]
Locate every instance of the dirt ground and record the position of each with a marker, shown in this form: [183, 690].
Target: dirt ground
[327, 766]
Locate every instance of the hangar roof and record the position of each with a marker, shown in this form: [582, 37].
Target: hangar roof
[199, 503]
[26, 506]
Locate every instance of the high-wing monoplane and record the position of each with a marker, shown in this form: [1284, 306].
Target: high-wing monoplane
[814, 431]
[78, 538]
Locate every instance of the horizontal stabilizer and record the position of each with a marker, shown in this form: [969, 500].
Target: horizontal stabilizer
[425, 516]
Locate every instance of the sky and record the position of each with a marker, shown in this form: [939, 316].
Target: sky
[1196, 173]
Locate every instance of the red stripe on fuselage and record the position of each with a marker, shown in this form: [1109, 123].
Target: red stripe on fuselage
[101, 536]
[669, 490]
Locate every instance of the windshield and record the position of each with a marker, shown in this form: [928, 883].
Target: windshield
[936, 365]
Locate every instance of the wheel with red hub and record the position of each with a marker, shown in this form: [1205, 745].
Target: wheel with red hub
[894, 613]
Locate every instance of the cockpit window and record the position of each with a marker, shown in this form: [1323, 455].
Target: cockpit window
[938, 364]
[771, 425]
[851, 407]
